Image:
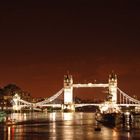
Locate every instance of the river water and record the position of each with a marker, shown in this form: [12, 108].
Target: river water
[64, 126]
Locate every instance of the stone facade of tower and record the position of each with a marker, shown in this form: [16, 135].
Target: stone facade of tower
[68, 89]
[113, 87]
[68, 105]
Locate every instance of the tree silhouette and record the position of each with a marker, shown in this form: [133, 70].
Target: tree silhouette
[11, 90]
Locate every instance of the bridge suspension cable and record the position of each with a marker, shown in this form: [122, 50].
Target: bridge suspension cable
[51, 98]
[128, 97]
[25, 102]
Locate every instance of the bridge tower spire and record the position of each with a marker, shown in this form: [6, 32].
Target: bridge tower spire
[113, 87]
[68, 93]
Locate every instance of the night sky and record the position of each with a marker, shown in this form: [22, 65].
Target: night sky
[40, 41]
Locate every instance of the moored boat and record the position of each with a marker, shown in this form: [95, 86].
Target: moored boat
[109, 119]
[108, 114]
[9, 122]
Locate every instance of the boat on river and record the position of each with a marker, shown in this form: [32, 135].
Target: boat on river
[108, 114]
[108, 119]
[10, 122]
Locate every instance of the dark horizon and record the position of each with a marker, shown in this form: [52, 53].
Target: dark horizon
[41, 41]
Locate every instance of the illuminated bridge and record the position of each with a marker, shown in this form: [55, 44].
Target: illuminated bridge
[116, 97]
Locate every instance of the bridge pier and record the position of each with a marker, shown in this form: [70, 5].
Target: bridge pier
[68, 105]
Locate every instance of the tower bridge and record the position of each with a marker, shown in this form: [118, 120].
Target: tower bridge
[115, 98]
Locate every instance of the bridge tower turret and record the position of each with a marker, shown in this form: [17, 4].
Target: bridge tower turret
[113, 87]
[68, 93]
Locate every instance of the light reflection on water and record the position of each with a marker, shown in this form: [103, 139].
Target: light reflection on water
[63, 126]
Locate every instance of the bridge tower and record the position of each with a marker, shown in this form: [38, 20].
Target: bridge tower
[113, 87]
[68, 93]
[16, 103]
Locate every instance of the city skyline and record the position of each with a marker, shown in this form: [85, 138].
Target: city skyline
[41, 41]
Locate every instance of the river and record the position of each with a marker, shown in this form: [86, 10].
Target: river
[63, 126]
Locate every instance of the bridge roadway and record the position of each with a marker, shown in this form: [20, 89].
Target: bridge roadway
[81, 105]
[126, 105]
[60, 105]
